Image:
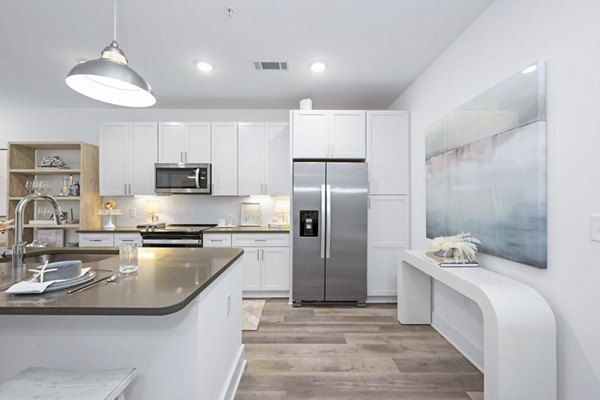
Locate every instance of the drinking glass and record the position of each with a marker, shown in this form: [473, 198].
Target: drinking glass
[128, 258]
[29, 186]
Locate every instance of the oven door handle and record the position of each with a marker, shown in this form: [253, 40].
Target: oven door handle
[171, 241]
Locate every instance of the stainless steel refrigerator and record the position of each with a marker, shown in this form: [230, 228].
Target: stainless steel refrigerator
[330, 232]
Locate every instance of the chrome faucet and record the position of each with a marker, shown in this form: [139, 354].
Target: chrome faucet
[18, 248]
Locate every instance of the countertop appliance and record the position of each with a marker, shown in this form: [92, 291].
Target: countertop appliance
[182, 178]
[330, 232]
[175, 235]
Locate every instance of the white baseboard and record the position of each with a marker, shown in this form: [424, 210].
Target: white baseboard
[265, 294]
[382, 299]
[462, 343]
[235, 376]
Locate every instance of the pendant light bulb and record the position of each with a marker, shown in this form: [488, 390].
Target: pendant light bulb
[109, 78]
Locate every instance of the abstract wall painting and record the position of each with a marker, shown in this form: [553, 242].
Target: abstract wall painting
[486, 170]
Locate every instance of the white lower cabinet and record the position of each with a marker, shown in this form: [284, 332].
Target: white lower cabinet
[102, 239]
[388, 234]
[275, 268]
[251, 268]
[266, 261]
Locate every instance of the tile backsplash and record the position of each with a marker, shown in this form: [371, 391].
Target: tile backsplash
[184, 209]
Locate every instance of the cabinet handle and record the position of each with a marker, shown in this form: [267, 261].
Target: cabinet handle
[260, 240]
[185, 156]
[263, 254]
[216, 240]
[257, 253]
[130, 188]
[95, 240]
[181, 156]
[125, 190]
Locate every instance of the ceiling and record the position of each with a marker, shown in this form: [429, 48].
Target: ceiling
[373, 49]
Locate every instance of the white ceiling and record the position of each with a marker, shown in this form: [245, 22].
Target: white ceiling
[373, 48]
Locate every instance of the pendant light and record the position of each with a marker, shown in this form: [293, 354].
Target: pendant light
[109, 79]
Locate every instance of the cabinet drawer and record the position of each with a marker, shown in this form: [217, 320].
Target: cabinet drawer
[260, 240]
[96, 240]
[216, 240]
[122, 239]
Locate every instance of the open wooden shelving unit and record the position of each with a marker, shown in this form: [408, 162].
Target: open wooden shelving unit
[23, 161]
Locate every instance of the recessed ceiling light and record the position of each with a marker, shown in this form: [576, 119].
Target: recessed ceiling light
[318, 67]
[204, 66]
[529, 69]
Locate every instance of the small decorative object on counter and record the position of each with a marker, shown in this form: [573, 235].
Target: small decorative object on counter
[109, 210]
[455, 251]
[250, 214]
[128, 259]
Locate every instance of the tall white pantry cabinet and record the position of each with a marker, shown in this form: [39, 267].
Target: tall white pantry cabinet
[388, 156]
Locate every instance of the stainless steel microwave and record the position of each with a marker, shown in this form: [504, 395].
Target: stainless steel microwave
[182, 178]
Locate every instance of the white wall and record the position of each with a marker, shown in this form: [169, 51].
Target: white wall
[81, 124]
[508, 36]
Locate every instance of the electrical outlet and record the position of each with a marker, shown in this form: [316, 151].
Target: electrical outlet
[228, 300]
[596, 228]
[132, 213]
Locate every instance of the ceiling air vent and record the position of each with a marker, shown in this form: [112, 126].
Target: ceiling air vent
[271, 65]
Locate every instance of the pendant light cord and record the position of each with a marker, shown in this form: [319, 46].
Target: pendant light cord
[115, 21]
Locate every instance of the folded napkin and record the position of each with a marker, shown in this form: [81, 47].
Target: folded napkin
[37, 287]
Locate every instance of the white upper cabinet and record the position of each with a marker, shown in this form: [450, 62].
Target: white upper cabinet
[143, 149]
[224, 146]
[347, 134]
[128, 152]
[388, 152]
[184, 142]
[198, 143]
[329, 134]
[264, 158]
[114, 159]
[171, 142]
[252, 156]
[278, 166]
[311, 134]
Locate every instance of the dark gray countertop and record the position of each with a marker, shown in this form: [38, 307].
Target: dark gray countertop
[166, 281]
[246, 229]
[118, 229]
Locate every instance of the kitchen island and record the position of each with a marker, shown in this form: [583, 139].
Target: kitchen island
[177, 320]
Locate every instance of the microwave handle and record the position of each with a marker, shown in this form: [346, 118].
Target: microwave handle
[197, 178]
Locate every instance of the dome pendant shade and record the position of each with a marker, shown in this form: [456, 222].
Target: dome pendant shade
[110, 80]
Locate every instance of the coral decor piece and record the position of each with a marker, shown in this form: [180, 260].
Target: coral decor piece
[459, 247]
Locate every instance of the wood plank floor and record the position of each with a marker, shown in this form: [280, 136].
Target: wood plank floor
[346, 353]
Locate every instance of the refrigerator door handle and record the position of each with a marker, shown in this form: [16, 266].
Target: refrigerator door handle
[322, 211]
[328, 242]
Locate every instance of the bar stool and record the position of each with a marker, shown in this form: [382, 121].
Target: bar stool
[56, 384]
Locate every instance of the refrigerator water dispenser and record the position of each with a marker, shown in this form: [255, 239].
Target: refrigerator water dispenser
[309, 223]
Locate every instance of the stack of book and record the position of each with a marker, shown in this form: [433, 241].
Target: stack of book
[451, 262]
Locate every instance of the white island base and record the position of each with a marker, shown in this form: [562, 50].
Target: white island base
[195, 353]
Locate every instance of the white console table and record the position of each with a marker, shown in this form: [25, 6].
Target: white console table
[519, 329]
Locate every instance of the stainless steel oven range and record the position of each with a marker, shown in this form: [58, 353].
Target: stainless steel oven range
[175, 235]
